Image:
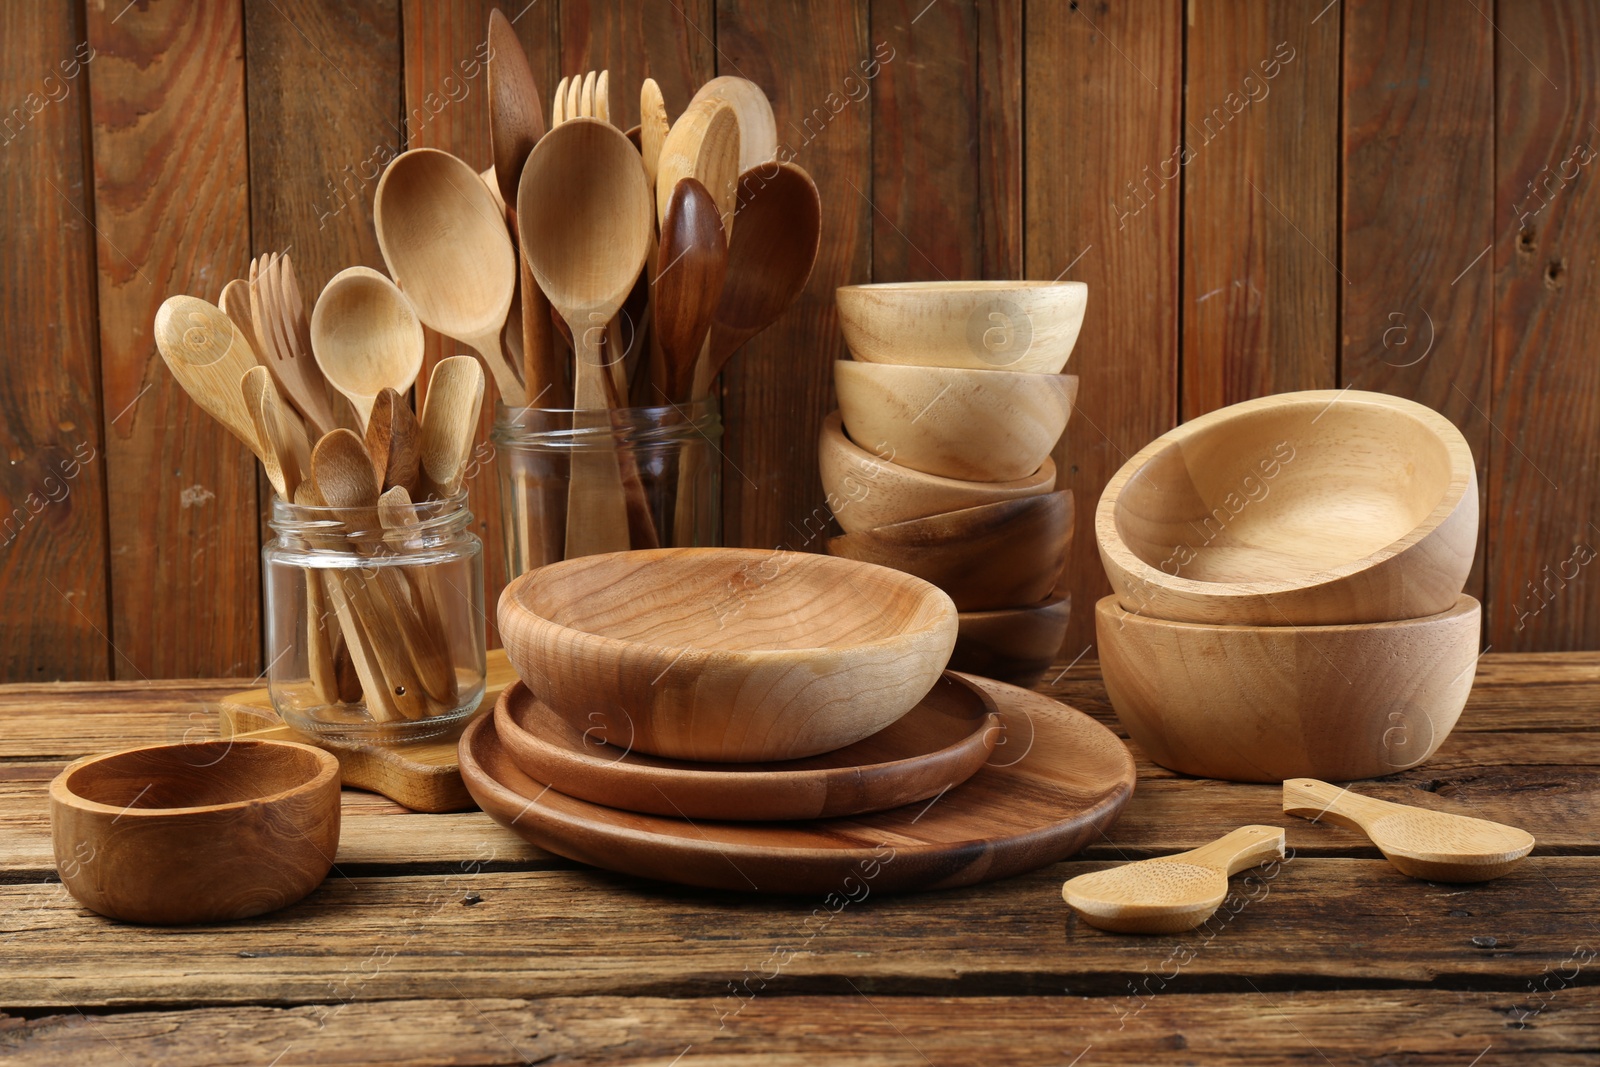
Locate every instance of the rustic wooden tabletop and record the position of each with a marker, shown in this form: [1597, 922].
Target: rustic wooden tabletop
[445, 939]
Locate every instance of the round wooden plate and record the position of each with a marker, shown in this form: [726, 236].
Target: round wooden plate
[1056, 780]
[938, 744]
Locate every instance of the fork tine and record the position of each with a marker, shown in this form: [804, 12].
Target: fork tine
[602, 96]
[558, 109]
[586, 102]
[574, 93]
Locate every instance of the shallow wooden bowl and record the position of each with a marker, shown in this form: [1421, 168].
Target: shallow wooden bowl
[1017, 326]
[1296, 509]
[1015, 645]
[955, 423]
[864, 491]
[727, 654]
[993, 556]
[1265, 703]
[197, 832]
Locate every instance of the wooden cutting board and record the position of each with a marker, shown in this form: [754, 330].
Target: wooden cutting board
[424, 776]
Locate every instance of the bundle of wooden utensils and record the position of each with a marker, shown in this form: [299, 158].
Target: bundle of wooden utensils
[1287, 577]
[938, 460]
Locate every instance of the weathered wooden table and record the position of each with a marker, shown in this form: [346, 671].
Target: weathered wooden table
[444, 939]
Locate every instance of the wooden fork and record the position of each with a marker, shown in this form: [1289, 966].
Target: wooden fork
[585, 96]
[284, 335]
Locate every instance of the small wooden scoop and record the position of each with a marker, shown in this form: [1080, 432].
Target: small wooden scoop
[1421, 843]
[1172, 893]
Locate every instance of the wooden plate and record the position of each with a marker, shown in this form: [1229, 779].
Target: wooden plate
[938, 744]
[1057, 779]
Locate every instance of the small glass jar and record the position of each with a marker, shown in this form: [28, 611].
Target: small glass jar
[668, 459]
[375, 628]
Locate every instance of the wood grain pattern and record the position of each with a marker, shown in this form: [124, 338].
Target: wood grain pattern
[1542, 531]
[1418, 208]
[1106, 80]
[674, 43]
[1260, 219]
[1000, 137]
[171, 210]
[52, 504]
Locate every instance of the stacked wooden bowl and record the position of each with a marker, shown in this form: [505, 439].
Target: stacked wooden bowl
[1287, 577]
[937, 462]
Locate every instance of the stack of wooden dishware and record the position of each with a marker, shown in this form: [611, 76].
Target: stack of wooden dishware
[938, 460]
[1287, 577]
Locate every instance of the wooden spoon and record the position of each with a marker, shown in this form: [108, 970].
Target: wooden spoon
[770, 256]
[690, 269]
[1171, 893]
[285, 452]
[653, 126]
[366, 337]
[284, 335]
[703, 144]
[394, 441]
[235, 304]
[449, 420]
[446, 245]
[208, 356]
[1433, 845]
[758, 128]
[585, 211]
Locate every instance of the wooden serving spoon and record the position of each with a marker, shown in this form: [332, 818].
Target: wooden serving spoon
[394, 441]
[770, 256]
[585, 211]
[703, 144]
[285, 452]
[1432, 845]
[691, 265]
[366, 337]
[208, 356]
[758, 127]
[1171, 893]
[445, 243]
[449, 419]
[653, 127]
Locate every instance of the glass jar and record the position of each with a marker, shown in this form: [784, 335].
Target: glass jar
[375, 628]
[669, 463]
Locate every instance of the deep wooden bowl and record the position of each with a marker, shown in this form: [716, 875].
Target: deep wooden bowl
[1015, 645]
[726, 654]
[1296, 509]
[864, 491]
[1016, 326]
[993, 556]
[1265, 703]
[197, 832]
[966, 424]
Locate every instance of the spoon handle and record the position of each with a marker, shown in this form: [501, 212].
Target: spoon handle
[1244, 847]
[1321, 802]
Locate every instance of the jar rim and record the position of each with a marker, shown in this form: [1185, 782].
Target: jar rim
[430, 514]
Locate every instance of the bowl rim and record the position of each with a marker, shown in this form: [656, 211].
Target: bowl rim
[1054, 602]
[926, 591]
[1110, 606]
[1463, 475]
[985, 285]
[1018, 379]
[1019, 502]
[61, 791]
[834, 435]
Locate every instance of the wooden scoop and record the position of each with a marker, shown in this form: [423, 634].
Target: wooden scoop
[1172, 893]
[208, 356]
[691, 265]
[366, 337]
[1421, 843]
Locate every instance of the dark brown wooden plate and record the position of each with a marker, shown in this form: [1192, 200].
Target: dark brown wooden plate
[938, 744]
[1057, 780]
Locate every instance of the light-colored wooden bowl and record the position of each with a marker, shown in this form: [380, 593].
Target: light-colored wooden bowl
[1015, 645]
[197, 832]
[726, 654]
[993, 556]
[1297, 509]
[955, 423]
[865, 492]
[1265, 703]
[1017, 326]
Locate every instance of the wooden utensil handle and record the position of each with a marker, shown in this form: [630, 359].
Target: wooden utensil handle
[1244, 847]
[1321, 802]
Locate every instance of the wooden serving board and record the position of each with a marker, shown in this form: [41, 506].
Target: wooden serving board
[424, 776]
[1057, 782]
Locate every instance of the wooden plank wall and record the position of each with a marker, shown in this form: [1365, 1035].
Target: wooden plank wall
[1262, 194]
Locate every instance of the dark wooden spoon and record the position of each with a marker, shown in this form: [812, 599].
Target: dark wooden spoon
[691, 267]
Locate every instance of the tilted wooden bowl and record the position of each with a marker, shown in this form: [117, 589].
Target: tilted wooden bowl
[197, 832]
[1015, 645]
[1265, 703]
[1016, 326]
[955, 423]
[1296, 509]
[726, 654]
[992, 556]
[864, 491]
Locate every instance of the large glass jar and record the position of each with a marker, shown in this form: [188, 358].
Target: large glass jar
[667, 458]
[375, 623]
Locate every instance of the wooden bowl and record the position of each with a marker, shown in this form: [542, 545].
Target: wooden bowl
[197, 832]
[1015, 645]
[1296, 509]
[864, 491]
[955, 423]
[1017, 326]
[726, 654]
[1265, 703]
[987, 557]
